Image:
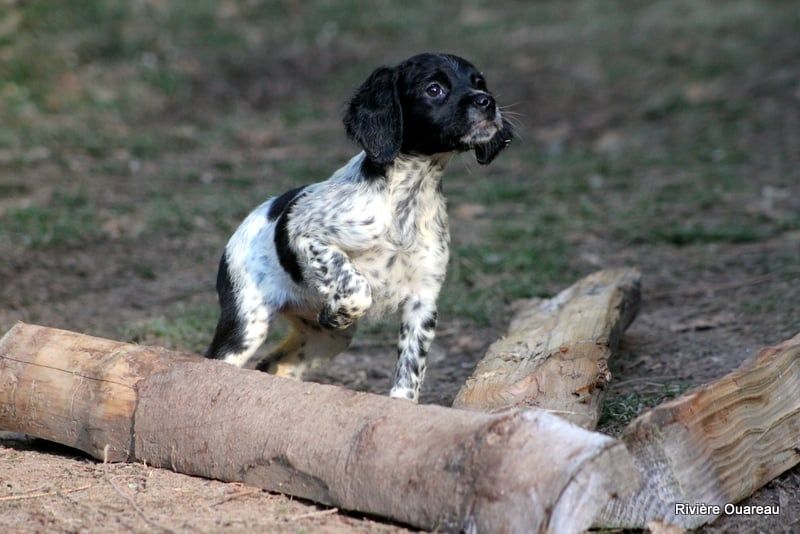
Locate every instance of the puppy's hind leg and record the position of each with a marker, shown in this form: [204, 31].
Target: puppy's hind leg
[243, 322]
[306, 347]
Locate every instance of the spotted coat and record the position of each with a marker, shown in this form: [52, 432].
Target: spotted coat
[328, 254]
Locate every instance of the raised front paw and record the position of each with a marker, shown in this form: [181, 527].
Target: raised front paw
[334, 319]
[346, 306]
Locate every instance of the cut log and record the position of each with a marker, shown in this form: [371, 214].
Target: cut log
[715, 445]
[555, 355]
[428, 466]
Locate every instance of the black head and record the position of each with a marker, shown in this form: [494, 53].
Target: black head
[428, 104]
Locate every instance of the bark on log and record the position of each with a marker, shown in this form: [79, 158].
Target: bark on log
[715, 445]
[555, 355]
[428, 466]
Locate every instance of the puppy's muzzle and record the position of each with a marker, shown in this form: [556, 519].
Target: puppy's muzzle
[485, 102]
[485, 120]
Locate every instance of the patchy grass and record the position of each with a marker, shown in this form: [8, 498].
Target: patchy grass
[620, 410]
[483, 279]
[66, 219]
[734, 231]
[185, 327]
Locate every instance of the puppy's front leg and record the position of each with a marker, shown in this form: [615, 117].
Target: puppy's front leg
[416, 334]
[346, 292]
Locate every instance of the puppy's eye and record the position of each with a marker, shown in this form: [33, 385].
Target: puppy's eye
[434, 90]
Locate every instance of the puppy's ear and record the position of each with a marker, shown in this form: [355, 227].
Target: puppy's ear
[486, 152]
[374, 118]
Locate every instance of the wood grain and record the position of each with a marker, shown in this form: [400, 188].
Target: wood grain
[555, 354]
[716, 444]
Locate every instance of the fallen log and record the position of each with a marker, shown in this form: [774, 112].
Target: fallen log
[714, 445]
[428, 466]
[555, 354]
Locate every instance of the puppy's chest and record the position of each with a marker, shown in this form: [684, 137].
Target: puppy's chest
[412, 253]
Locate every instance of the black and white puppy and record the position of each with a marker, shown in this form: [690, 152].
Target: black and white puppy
[371, 239]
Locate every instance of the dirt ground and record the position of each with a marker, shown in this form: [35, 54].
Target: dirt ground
[135, 136]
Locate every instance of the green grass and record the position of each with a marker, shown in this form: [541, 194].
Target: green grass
[734, 231]
[66, 219]
[525, 251]
[185, 328]
[483, 279]
[620, 410]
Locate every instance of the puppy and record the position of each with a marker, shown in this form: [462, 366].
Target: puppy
[371, 239]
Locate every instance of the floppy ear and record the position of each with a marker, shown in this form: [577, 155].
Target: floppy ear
[486, 152]
[374, 118]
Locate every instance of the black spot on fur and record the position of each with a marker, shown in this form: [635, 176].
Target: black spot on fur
[430, 322]
[421, 352]
[392, 259]
[229, 335]
[282, 203]
[286, 254]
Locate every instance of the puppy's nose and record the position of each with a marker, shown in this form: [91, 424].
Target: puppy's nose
[483, 101]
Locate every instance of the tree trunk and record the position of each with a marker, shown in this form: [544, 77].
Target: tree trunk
[716, 444]
[555, 355]
[428, 466]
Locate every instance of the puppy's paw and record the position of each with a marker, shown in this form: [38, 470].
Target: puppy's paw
[335, 319]
[405, 394]
[342, 311]
[356, 299]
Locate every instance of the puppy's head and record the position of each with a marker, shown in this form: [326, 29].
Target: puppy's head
[428, 104]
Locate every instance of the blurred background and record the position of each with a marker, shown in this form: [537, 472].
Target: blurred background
[135, 136]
